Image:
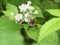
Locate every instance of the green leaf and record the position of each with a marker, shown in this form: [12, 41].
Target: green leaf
[54, 12]
[10, 9]
[49, 27]
[39, 26]
[5, 22]
[33, 32]
[39, 12]
[10, 32]
[26, 26]
[51, 39]
[58, 32]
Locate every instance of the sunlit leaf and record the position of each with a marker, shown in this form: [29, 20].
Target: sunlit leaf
[55, 12]
[51, 39]
[49, 27]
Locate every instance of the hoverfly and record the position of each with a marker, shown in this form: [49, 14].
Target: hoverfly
[32, 22]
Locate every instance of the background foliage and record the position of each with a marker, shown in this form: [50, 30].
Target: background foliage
[46, 30]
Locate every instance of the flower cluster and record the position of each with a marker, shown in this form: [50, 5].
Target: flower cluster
[26, 10]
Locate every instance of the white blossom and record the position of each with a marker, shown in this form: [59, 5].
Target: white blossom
[23, 7]
[35, 12]
[31, 8]
[18, 17]
[26, 20]
[26, 11]
[26, 17]
[29, 2]
[26, 14]
[12, 14]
